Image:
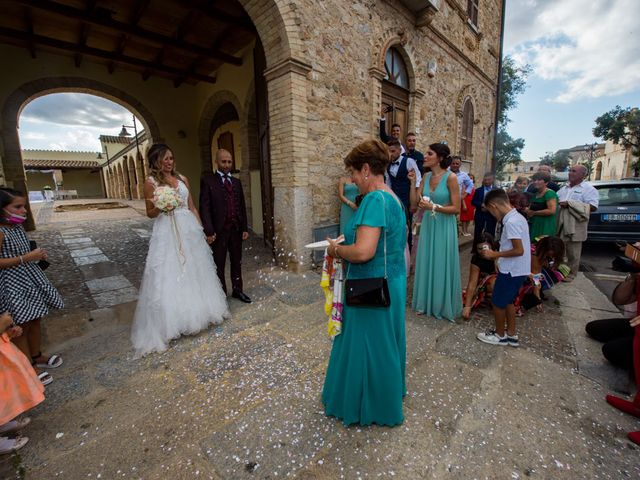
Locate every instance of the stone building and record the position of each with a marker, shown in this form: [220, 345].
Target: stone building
[290, 85]
[614, 163]
[77, 172]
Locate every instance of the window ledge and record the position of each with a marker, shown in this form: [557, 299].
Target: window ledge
[474, 28]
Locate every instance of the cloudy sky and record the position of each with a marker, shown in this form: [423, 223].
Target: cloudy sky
[71, 121]
[585, 56]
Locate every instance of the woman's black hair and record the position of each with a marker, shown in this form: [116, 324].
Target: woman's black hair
[551, 244]
[443, 152]
[7, 195]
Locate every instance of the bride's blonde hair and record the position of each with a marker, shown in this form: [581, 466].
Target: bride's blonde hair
[155, 154]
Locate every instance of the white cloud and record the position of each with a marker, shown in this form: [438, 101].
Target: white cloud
[591, 47]
[71, 121]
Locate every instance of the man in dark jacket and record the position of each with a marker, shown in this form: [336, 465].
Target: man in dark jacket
[224, 219]
[483, 220]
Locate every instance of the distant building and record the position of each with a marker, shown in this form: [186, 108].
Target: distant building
[61, 170]
[522, 169]
[582, 153]
[123, 166]
[614, 163]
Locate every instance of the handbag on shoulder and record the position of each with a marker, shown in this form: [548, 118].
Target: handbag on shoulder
[369, 292]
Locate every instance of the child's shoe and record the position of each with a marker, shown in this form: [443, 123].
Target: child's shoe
[513, 341]
[491, 337]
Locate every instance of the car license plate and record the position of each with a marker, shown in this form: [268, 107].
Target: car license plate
[621, 217]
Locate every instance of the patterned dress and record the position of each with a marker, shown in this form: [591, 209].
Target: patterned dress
[25, 291]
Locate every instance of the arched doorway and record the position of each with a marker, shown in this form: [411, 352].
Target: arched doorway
[395, 90]
[599, 171]
[12, 108]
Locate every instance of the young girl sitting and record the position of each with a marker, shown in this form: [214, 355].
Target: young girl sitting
[25, 291]
[20, 388]
[546, 256]
[482, 275]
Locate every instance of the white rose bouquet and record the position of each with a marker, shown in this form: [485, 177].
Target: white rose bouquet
[166, 199]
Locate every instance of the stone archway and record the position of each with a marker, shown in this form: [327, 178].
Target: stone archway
[399, 41]
[208, 122]
[14, 175]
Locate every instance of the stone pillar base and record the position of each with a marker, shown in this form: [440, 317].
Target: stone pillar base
[293, 227]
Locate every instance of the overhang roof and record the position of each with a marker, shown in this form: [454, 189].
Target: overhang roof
[181, 40]
[58, 163]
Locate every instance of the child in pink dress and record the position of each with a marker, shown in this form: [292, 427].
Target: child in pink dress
[20, 388]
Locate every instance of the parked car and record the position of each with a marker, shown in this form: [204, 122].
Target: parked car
[618, 216]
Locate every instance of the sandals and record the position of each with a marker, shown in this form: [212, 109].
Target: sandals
[14, 425]
[10, 445]
[45, 378]
[54, 361]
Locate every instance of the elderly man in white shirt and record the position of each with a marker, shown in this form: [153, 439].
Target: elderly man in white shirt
[577, 200]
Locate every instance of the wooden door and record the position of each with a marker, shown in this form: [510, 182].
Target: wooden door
[398, 98]
[262, 116]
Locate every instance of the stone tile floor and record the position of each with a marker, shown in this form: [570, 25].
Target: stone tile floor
[242, 400]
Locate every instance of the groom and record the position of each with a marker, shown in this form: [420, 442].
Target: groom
[224, 219]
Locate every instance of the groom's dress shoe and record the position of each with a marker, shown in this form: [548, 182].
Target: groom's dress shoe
[241, 296]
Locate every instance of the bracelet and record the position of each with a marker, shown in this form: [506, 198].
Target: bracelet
[335, 252]
[21, 259]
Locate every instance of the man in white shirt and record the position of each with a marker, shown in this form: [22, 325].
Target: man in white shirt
[577, 200]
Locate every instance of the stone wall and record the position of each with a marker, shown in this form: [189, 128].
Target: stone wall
[345, 43]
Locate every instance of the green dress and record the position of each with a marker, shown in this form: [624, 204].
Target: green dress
[541, 226]
[346, 212]
[365, 380]
[437, 287]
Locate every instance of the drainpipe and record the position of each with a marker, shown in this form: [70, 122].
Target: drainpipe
[495, 132]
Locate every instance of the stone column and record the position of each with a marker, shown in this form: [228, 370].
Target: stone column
[293, 209]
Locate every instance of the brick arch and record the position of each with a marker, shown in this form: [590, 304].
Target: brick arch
[206, 124]
[400, 41]
[9, 139]
[277, 24]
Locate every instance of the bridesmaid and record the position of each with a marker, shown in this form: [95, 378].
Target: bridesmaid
[347, 191]
[437, 288]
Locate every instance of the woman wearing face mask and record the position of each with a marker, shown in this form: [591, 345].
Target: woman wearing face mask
[25, 291]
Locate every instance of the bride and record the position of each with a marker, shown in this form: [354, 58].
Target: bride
[180, 291]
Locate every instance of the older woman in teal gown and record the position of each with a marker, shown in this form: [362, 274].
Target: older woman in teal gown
[437, 288]
[347, 191]
[365, 380]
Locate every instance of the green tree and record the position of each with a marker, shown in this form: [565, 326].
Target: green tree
[547, 159]
[513, 83]
[621, 126]
[561, 160]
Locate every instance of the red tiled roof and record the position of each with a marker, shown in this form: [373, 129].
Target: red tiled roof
[115, 139]
[60, 163]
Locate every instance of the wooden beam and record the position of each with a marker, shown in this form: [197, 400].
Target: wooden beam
[100, 19]
[28, 18]
[242, 23]
[10, 33]
[194, 65]
[138, 10]
[84, 32]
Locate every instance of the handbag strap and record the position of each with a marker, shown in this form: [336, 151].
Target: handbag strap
[384, 212]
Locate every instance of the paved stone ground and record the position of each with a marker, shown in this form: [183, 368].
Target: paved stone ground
[242, 400]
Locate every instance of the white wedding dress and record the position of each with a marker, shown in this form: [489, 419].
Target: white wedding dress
[180, 291]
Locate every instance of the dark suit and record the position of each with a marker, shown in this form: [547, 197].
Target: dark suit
[483, 221]
[214, 198]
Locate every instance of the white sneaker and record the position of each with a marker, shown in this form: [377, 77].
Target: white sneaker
[491, 337]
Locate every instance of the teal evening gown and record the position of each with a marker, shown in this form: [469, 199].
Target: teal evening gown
[437, 288]
[365, 380]
[346, 212]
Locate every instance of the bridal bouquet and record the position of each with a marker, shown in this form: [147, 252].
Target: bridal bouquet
[166, 199]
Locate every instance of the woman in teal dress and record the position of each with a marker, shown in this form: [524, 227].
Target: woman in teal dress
[437, 288]
[543, 208]
[365, 380]
[347, 191]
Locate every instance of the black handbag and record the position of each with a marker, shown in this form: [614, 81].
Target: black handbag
[369, 292]
[43, 264]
